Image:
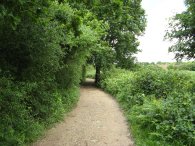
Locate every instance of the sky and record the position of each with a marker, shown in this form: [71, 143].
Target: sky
[158, 12]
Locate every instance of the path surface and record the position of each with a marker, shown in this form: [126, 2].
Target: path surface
[96, 121]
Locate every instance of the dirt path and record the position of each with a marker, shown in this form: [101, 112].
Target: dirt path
[96, 121]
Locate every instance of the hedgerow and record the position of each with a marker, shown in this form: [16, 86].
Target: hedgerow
[182, 66]
[44, 45]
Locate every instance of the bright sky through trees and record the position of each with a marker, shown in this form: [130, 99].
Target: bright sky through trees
[153, 47]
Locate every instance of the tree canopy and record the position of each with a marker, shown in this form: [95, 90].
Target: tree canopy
[125, 21]
[182, 32]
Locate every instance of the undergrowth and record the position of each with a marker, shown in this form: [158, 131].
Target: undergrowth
[27, 109]
[159, 104]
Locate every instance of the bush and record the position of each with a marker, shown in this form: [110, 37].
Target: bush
[168, 119]
[17, 126]
[26, 109]
[160, 82]
[115, 80]
[157, 101]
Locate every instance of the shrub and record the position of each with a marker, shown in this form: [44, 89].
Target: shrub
[161, 82]
[115, 80]
[168, 119]
[158, 101]
[17, 126]
[26, 109]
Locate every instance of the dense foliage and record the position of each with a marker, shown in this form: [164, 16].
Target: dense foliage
[182, 31]
[126, 21]
[90, 72]
[43, 47]
[159, 104]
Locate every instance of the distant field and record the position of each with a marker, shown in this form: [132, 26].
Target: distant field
[192, 73]
[164, 66]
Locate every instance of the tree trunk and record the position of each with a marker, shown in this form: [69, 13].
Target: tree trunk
[97, 74]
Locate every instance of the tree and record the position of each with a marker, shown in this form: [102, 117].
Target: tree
[182, 31]
[126, 21]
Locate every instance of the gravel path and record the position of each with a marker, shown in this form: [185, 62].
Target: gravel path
[96, 121]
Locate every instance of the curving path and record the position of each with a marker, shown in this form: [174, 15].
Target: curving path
[96, 121]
